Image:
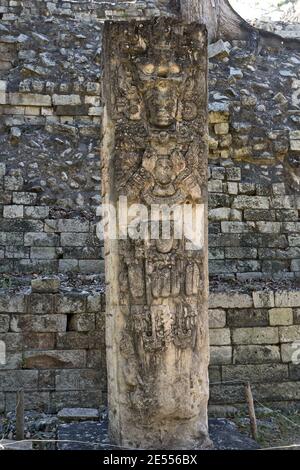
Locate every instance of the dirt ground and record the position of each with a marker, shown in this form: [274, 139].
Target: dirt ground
[276, 428]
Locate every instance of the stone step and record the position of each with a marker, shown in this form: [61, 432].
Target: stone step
[78, 414]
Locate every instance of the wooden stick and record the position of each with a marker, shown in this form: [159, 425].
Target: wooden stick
[20, 416]
[251, 410]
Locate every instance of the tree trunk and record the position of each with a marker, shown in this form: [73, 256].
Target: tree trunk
[218, 15]
[223, 22]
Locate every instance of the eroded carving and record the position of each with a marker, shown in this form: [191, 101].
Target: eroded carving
[156, 98]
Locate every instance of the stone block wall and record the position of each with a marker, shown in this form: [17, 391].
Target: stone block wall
[50, 180]
[255, 337]
[254, 227]
[55, 347]
[50, 131]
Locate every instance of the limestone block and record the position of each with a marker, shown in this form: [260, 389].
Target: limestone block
[281, 316]
[79, 379]
[289, 334]
[283, 202]
[38, 323]
[54, 359]
[255, 335]
[13, 212]
[41, 303]
[269, 227]
[219, 336]
[45, 284]
[3, 85]
[295, 145]
[13, 380]
[29, 99]
[66, 225]
[255, 372]
[68, 265]
[36, 212]
[13, 183]
[217, 318]
[237, 227]
[3, 98]
[290, 352]
[240, 253]
[230, 300]
[254, 202]
[94, 303]
[41, 239]
[12, 303]
[287, 299]
[71, 239]
[247, 317]
[49, 252]
[82, 322]
[224, 213]
[221, 128]
[233, 174]
[220, 355]
[78, 414]
[91, 266]
[2, 170]
[64, 100]
[219, 49]
[256, 354]
[4, 323]
[263, 299]
[71, 303]
[39, 341]
[24, 198]
[74, 339]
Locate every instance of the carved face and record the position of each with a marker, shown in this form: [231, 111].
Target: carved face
[163, 171]
[159, 85]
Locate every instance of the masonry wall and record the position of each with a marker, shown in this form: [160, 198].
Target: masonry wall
[55, 348]
[50, 130]
[50, 179]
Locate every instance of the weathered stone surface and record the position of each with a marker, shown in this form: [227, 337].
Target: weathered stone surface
[45, 284]
[217, 318]
[71, 303]
[281, 316]
[78, 414]
[247, 317]
[290, 352]
[12, 304]
[220, 355]
[268, 335]
[289, 333]
[256, 354]
[151, 320]
[287, 299]
[79, 379]
[230, 300]
[38, 323]
[263, 299]
[255, 373]
[219, 337]
[82, 322]
[13, 380]
[54, 359]
[219, 49]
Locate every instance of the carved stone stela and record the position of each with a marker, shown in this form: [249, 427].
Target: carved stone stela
[154, 152]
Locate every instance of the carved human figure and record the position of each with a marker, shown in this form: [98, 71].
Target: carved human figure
[155, 152]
